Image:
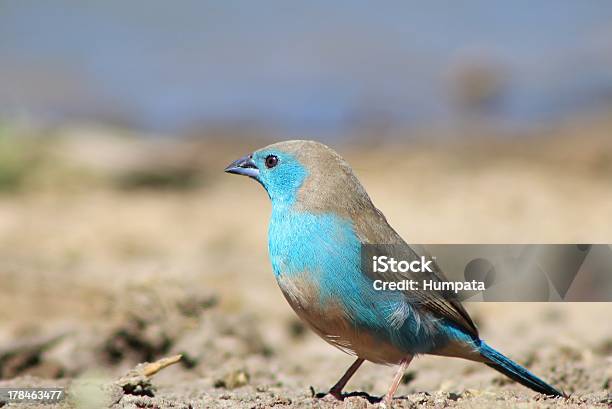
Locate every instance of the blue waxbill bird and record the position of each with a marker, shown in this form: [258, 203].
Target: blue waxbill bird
[321, 218]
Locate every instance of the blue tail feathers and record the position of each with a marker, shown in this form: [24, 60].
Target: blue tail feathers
[516, 372]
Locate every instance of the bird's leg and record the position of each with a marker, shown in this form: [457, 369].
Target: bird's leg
[396, 381]
[336, 390]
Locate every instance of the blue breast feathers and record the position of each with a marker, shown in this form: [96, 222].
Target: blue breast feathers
[326, 249]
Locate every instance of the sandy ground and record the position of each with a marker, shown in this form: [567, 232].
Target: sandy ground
[96, 279]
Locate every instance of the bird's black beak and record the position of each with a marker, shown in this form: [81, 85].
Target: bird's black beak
[243, 166]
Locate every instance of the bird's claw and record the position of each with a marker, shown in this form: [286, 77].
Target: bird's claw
[335, 394]
[331, 396]
[386, 403]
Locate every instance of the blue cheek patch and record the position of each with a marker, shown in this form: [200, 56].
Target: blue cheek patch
[283, 181]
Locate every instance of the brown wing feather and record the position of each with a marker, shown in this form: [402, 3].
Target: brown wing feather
[374, 229]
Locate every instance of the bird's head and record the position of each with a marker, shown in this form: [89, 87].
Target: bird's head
[304, 172]
[276, 167]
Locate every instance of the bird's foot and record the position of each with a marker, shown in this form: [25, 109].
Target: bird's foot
[385, 404]
[332, 395]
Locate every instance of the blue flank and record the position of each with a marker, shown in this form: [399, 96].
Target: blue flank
[326, 247]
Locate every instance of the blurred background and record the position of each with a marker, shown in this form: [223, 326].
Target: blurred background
[302, 69]
[122, 241]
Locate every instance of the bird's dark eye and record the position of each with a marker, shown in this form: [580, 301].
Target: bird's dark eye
[271, 161]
